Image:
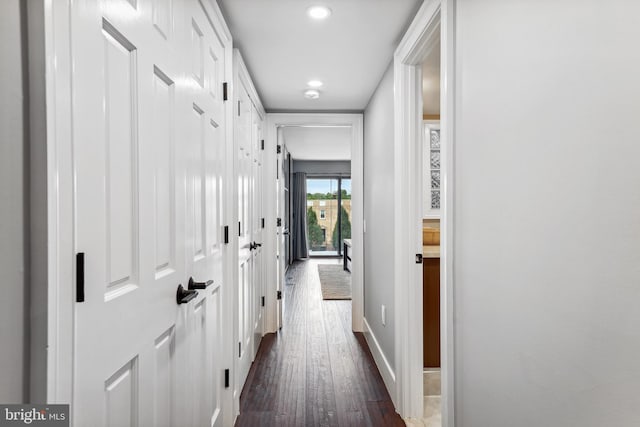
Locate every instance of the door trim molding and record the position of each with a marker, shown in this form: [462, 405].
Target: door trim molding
[60, 214]
[434, 16]
[355, 121]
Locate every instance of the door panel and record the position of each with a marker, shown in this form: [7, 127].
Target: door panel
[244, 292]
[164, 380]
[200, 390]
[257, 233]
[195, 187]
[121, 396]
[148, 212]
[164, 173]
[112, 357]
[249, 329]
[283, 231]
[121, 147]
[205, 172]
[214, 333]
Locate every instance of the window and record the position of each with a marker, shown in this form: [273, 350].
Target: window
[432, 170]
[329, 218]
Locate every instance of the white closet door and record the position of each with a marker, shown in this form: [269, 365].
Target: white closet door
[257, 232]
[283, 195]
[148, 141]
[204, 149]
[245, 290]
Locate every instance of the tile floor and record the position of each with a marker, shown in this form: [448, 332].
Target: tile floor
[432, 398]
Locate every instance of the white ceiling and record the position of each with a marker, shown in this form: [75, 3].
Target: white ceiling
[431, 82]
[318, 143]
[284, 48]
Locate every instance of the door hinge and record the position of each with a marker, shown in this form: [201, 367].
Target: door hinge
[279, 222]
[262, 222]
[226, 234]
[279, 149]
[418, 258]
[80, 277]
[238, 108]
[226, 378]
[239, 349]
[239, 228]
[262, 144]
[263, 301]
[279, 294]
[225, 91]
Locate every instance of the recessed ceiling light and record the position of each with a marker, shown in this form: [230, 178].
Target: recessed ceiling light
[319, 12]
[314, 83]
[312, 94]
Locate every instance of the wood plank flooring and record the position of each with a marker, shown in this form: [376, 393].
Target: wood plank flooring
[315, 371]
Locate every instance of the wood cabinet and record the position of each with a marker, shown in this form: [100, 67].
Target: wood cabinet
[431, 311]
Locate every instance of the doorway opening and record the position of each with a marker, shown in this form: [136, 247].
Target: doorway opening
[328, 215]
[424, 105]
[431, 212]
[320, 200]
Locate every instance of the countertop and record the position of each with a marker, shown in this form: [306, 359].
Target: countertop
[431, 251]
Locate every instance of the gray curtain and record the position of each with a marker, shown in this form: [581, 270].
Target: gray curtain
[299, 244]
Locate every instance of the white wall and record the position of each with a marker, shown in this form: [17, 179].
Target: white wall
[378, 214]
[13, 206]
[547, 213]
[23, 203]
[38, 214]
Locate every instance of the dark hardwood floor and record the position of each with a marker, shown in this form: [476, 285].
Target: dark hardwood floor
[315, 371]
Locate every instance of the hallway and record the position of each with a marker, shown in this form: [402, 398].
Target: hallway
[315, 371]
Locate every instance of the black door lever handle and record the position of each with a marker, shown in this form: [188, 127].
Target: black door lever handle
[183, 295]
[198, 285]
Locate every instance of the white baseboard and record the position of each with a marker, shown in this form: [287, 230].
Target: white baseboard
[388, 376]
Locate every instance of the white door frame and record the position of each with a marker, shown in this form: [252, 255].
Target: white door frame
[355, 121]
[434, 15]
[60, 215]
[60, 210]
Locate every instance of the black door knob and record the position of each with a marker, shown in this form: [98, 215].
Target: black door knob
[198, 285]
[183, 295]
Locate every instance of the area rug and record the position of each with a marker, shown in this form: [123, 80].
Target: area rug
[335, 282]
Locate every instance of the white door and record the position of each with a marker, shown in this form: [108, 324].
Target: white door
[245, 291]
[204, 149]
[283, 194]
[248, 145]
[257, 232]
[146, 214]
